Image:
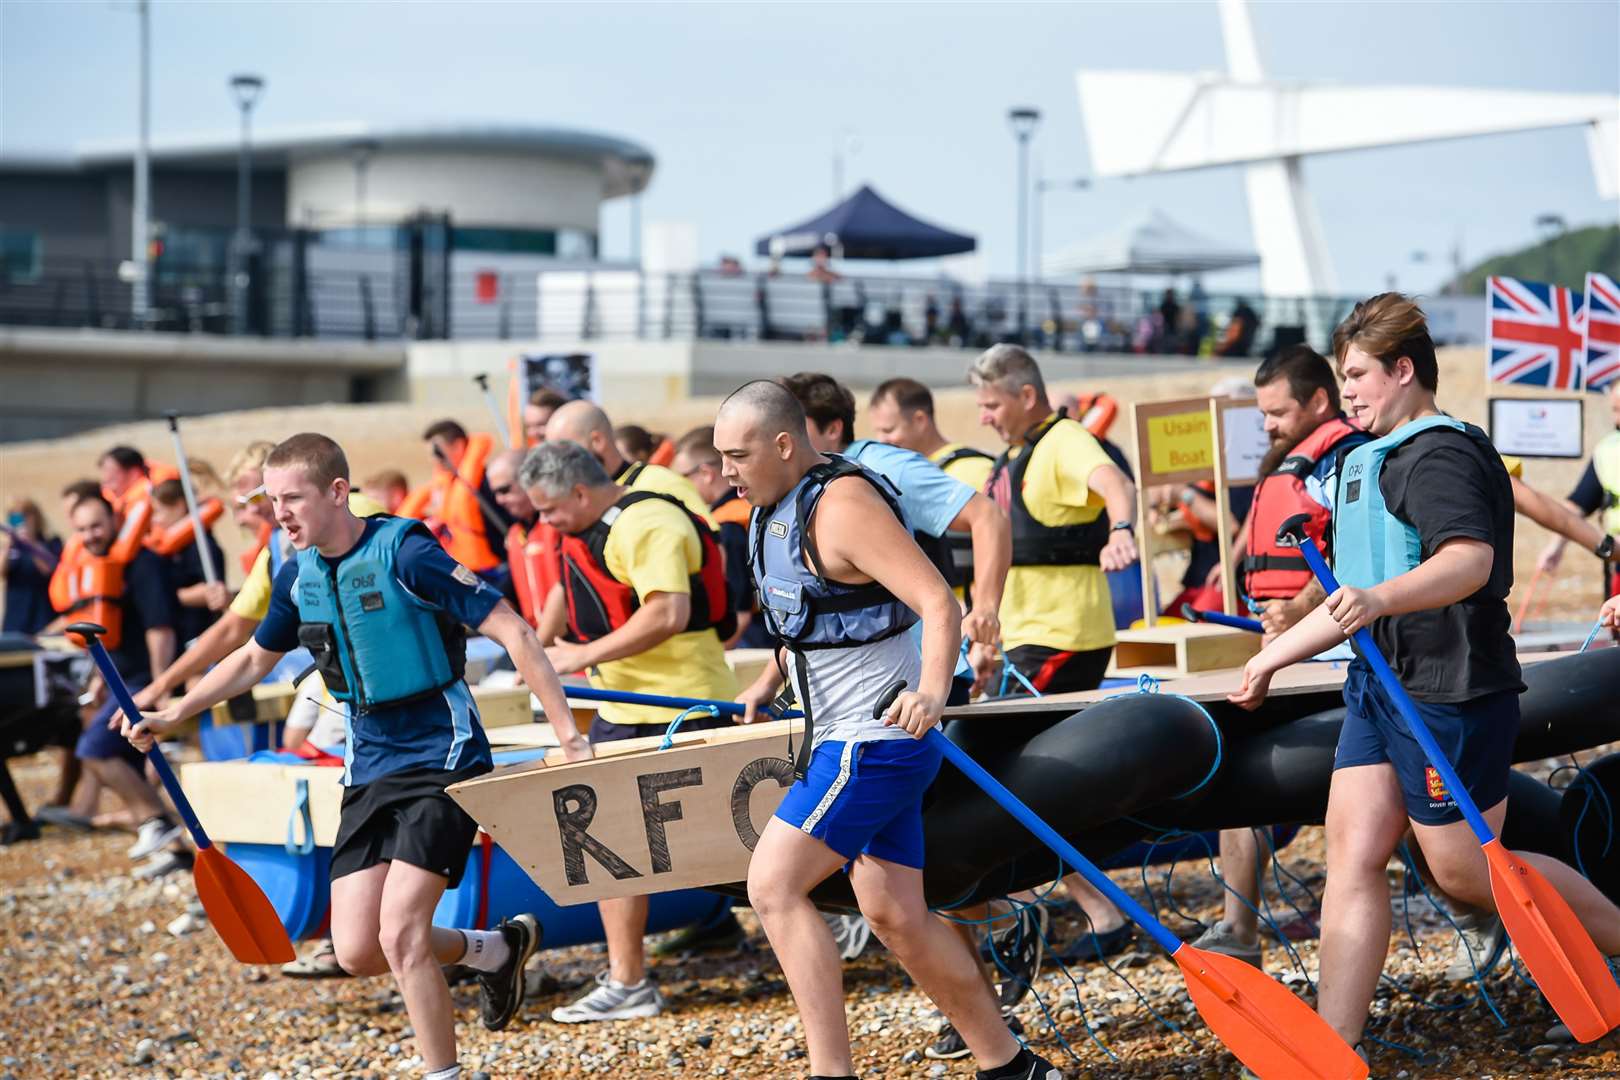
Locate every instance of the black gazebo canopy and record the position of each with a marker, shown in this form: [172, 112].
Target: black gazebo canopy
[866, 226]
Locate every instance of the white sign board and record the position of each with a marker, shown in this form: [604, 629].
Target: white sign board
[1538, 427]
[1244, 428]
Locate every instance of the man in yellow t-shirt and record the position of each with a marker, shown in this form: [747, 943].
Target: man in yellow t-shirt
[1071, 511]
[647, 608]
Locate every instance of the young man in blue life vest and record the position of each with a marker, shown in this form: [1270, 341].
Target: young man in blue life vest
[1423, 546]
[840, 582]
[382, 608]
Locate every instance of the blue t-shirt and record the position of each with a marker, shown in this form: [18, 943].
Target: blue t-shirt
[930, 497]
[432, 733]
[28, 590]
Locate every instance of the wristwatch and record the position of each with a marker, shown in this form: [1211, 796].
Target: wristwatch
[1605, 548]
[1130, 526]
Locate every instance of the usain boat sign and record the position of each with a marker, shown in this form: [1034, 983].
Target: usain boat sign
[637, 819]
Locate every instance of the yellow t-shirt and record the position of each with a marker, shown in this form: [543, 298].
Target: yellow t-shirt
[1514, 466]
[669, 482]
[253, 602]
[653, 548]
[1060, 607]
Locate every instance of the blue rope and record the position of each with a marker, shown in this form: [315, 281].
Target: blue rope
[1146, 684]
[674, 725]
[1587, 644]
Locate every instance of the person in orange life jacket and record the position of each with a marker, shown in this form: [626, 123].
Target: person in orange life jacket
[531, 544]
[185, 564]
[846, 583]
[385, 611]
[452, 502]
[647, 607]
[698, 461]
[145, 611]
[537, 413]
[1423, 522]
[388, 487]
[934, 505]
[636, 442]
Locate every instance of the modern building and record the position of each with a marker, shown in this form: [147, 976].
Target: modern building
[424, 231]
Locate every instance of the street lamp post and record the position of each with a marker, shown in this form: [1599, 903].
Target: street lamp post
[140, 297]
[1023, 120]
[246, 89]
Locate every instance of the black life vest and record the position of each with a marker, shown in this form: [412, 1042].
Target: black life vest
[1034, 544]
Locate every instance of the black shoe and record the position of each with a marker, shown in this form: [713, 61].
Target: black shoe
[500, 993]
[949, 1046]
[1091, 946]
[1036, 1068]
[724, 936]
[17, 831]
[1016, 957]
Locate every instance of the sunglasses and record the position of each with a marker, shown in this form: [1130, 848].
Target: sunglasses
[503, 490]
[258, 494]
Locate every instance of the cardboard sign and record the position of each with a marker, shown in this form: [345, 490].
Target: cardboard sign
[1175, 441]
[641, 820]
[1538, 427]
[1244, 439]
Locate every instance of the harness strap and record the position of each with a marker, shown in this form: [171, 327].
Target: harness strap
[300, 812]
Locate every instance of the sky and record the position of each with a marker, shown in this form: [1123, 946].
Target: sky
[746, 105]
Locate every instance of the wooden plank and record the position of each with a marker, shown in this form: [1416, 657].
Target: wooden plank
[503, 706]
[517, 735]
[240, 802]
[1187, 647]
[637, 819]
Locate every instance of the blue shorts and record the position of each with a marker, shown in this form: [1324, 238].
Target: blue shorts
[97, 743]
[1476, 736]
[865, 798]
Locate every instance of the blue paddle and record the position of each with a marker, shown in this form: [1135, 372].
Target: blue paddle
[663, 701]
[1220, 618]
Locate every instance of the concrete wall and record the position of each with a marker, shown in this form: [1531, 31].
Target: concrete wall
[56, 382]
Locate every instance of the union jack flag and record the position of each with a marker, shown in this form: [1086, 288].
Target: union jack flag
[1602, 331]
[1535, 334]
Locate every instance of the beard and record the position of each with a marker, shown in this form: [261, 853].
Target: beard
[1278, 453]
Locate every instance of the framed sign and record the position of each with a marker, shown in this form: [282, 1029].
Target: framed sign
[1538, 427]
[1243, 439]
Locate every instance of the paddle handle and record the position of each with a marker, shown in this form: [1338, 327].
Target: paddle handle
[489, 399]
[1220, 618]
[626, 697]
[1368, 648]
[198, 536]
[120, 692]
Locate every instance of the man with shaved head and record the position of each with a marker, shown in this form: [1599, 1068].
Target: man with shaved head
[586, 424]
[531, 544]
[840, 581]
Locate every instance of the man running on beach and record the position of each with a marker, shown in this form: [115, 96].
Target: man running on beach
[840, 581]
[382, 607]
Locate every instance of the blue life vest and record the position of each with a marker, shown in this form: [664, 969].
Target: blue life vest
[802, 606]
[1370, 544]
[375, 642]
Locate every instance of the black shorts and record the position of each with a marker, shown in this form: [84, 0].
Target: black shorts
[606, 731]
[406, 816]
[1057, 671]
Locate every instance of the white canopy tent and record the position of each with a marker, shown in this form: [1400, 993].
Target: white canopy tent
[1148, 243]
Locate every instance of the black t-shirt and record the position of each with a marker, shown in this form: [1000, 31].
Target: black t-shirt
[28, 591]
[185, 570]
[1588, 493]
[1448, 485]
[149, 604]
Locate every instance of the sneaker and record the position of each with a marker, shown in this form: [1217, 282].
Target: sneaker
[949, 1046]
[1481, 941]
[1221, 938]
[154, 835]
[500, 992]
[320, 964]
[722, 936]
[163, 863]
[16, 832]
[1016, 946]
[850, 932]
[612, 1001]
[1039, 1069]
[1093, 946]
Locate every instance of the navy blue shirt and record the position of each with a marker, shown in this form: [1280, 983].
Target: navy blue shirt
[28, 592]
[432, 733]
[149, 604]
[185, 570]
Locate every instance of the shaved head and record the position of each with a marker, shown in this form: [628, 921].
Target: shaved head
[504, 465]
[763, 442]
[770, 406]
[576, 421]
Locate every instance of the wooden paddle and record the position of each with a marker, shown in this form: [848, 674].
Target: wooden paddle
[1565, 964]
[236, 906]
[1266, 1027]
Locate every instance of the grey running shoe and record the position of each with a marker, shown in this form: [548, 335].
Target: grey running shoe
[612, 1001]
[500, 992]
[1481, 941]
[850, 932]
[155, 834]
[1220, 938]
[162, 864]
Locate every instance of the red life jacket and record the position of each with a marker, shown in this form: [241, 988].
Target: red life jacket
[532, 555]
[599, 603]
[1270, 571]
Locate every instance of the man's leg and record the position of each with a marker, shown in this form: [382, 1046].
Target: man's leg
[786, 865]
[891, 898]
[1365, 820]
[415, 949]
[130, 786]
[624, 924]
[1100, 910]
[1240, 868]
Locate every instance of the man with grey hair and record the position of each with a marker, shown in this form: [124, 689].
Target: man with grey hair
[1072, 513]
[646, 609]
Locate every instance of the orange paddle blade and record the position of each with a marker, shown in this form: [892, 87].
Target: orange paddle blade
[1555, 947]
[242, 915]
[1274, 1033]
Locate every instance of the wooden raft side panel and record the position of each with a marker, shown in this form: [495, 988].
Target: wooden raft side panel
[245, 803]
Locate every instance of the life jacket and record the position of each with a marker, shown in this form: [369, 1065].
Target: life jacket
[1200, 532]
[732, 510]
[1271, 571]
[375, 643]
[91, 587]
[1096, 413]
[953, 552]
[459, 510]
[802, 607]
[1370, 544]
[251, 555]
[532, 555]
[179, 536]
[1034, 544]
[599, 603]
[663, 453]
[1606, 463]
[140, 489]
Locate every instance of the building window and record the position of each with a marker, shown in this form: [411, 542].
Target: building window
[20, 255]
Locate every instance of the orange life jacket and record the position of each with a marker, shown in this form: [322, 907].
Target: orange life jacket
[91, 587]
[733, 510]
[1270, 571]
[140, 489]
[532, 555]
[599, 603]
[179, 536]
[1096, 412]
[1200, 531]
[663, 454]
[260, 542]
[450, 508]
